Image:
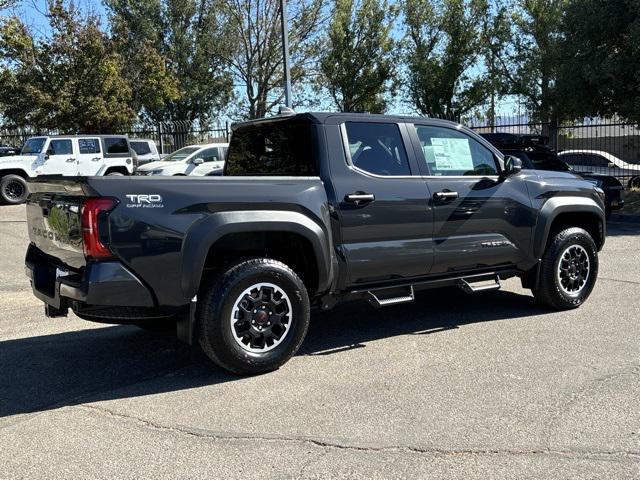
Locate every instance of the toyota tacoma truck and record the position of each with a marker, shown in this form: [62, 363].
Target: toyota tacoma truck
[312, 209]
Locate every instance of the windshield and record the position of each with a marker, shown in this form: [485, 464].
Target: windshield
[181, 154]
[33, 145]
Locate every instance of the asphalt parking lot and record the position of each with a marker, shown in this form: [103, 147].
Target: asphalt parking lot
[452, 386]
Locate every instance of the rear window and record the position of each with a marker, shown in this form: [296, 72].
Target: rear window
[279, 148]
[116, 145]
[89, 145]
[141, 148]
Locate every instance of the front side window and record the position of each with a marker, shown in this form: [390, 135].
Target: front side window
[89, 145]
[209, 154]
[449, 152]
[377, 148]
[60, 147]
[116, 145]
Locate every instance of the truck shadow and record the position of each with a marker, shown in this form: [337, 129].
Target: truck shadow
[51, 371]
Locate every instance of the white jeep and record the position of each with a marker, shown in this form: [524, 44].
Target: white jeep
[67, 155]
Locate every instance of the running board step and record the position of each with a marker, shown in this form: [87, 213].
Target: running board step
[391, 296]
[479, 285]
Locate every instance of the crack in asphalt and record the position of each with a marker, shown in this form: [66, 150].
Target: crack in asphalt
[328, 444]
[619, 280]
[580, 393]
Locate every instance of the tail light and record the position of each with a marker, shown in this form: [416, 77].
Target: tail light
[93, 210]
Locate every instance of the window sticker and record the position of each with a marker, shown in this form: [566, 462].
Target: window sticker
[452, 154]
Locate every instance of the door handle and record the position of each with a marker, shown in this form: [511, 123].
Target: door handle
[445, 195]
[359, 198]
[95, 159]
[69, 160]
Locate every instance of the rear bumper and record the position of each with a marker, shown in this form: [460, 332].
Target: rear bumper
[97, 284]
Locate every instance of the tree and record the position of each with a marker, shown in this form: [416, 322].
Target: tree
[70, 80]
[530, 62]
[599, 69]
[358, 64]
[175, 51]
[256, 59]
[445, 42]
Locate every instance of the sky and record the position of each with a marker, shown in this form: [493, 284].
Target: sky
[32, 11]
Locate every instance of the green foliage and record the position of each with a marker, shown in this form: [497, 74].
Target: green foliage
[357, 64]
[529, 62]
[71, 80]
[445, 42]
[599, 72]
[175, 51]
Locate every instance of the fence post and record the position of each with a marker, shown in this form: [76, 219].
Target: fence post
[161, 141]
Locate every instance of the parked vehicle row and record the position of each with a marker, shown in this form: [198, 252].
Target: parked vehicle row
[537, 155]
[97, 155]
[597, 161]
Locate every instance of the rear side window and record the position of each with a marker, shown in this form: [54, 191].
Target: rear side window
[116, 145]
[377, 148]
[89, 145]
[60, 147]
[275, 148]
[141, 148]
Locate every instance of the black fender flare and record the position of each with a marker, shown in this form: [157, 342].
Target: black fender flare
[556, 206]
[207, 231]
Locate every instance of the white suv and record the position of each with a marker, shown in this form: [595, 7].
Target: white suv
[196, 160]
[146, 150]
[68, 155]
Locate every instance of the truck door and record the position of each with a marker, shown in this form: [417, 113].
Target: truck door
[384, 218]
[89, 156]
[481, 221]
[60, 158]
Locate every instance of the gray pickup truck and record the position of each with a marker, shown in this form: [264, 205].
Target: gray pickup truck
[312, 209]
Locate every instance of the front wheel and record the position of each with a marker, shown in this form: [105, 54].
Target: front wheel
[634, 183]
[253, 317]
[568, 270]
[13, 189]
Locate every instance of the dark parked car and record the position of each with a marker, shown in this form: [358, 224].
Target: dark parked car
[312, 209]
[536, 154]
[6, 150]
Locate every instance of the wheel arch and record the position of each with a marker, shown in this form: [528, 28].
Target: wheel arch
[119, 169]
[14, 171]
[291, 237]
[564, 212]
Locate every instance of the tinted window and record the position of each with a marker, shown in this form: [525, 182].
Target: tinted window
[597, 161]
[448, 152]
[208, 154]
[274, 148]
[547, 161]
[377, 148]
[141, 148]
[571, 159]
[116, 145]
[89, 145]
[60, 147]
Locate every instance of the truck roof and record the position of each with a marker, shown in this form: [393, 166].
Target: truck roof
[321, 117]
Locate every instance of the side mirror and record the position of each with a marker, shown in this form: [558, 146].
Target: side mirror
[197, 161]
[512, 165]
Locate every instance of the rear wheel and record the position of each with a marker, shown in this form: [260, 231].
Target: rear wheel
[568, 270]
[253, 317]
[13, 189]
[634, 182]
[115, 174]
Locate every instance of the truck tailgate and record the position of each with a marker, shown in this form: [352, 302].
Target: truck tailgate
[53, 220]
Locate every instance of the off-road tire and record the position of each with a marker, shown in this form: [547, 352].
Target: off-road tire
[549, 292]
[216, 302]
[5, 184]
